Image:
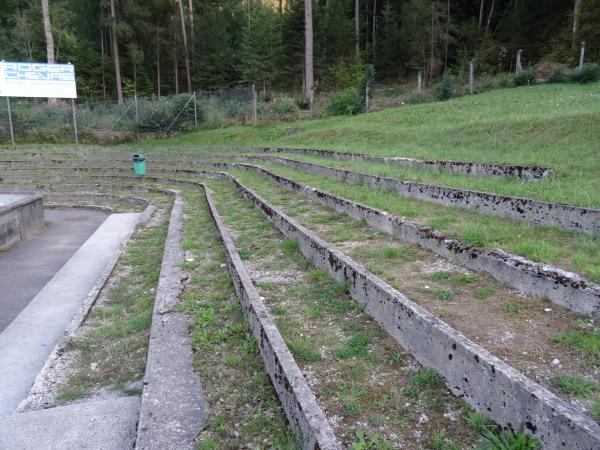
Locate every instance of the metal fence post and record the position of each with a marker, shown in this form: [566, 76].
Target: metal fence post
[367, 99]
[10, 123]
[74, 121]
[419, 82]
[195, 112]
[254, 106]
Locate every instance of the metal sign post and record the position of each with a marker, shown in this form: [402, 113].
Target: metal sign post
[38, 80]
[10, 124]
[74, 121]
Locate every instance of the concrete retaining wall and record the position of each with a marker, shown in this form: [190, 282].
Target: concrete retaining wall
[173, 406]
[526, 173]
[298, 401]
[487, 383]
[21, 219]
[542, 280]
[586, 220]
[562, 287]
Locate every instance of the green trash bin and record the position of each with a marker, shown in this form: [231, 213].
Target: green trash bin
[139, 164]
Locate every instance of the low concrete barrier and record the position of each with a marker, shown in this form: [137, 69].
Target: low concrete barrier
[173, 406]
[298, 401]
[20, 217]
[530, 278]
[568, 217]
[484, 381]
[560, 286]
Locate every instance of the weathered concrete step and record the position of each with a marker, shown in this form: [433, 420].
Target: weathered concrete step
[29, 339]
[98, 425]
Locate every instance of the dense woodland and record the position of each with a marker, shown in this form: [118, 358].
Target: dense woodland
[159, 47]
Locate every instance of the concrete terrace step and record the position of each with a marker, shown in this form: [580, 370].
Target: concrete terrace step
[26, 343]
[98, 425]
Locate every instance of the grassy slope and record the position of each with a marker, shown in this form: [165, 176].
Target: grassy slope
[553, 125]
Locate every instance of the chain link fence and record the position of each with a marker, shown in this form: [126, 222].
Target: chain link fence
[35, 120]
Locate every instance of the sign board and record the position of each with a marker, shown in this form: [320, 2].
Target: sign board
[26, 79]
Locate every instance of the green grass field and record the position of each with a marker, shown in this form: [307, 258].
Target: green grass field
[550, 125]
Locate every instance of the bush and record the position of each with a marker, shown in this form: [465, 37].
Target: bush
[557, 76]
[589, 73]
[526, 77]
[345, 102]
[446, 88]
[281, 109]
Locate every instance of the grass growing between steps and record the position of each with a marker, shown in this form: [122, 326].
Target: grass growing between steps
[566, 249]
[548, 125]
[109, 351]
[369, 388]
[561, 188]
[244, 410]
[522, 332]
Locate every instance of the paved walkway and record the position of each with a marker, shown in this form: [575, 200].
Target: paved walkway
[96, 425]
[29, 339]
[27, 267]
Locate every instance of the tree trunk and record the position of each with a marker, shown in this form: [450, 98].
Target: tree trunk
[489, 20]
[185, 47]
[432, 40]
[357, 26]
[102, 56]
[157, 63]
[49, 39]
[176, 72]
[447, 37]
[576, 13]
[374, 28]
[308, 35]
[192, 34]
[280, 11]
[113, 15]
[481, 11]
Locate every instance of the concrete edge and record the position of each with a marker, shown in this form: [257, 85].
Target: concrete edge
[487, 383]
[298, 401]
[82, 313]
[173, 407]
[494, 170]
[562, 287]
[538, 212]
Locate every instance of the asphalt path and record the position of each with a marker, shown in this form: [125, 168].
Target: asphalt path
[28, 266]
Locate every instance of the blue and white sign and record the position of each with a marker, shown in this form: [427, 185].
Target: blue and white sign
[26, 79]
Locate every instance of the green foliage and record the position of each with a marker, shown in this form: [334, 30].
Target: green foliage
[347, 102]
[425, 380]
[369, 442]
[508, 440]
[525, 78]
[281, 109]
[446, 88]
[595, 409]
[589, 73]
[483, 293]
[261, 50]
[586, 341]
[303, 350]
[575, 385]
[479, 422]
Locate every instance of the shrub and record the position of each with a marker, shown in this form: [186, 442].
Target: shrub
[526, 77]
[589, 73]
[446, 88]
[345, 102]
[281, 109]
[557, 76]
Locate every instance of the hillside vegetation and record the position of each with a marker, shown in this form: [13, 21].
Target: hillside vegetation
[549, 125]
